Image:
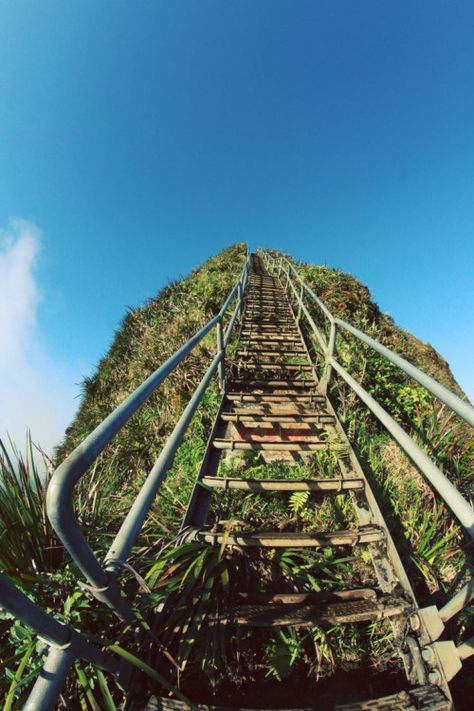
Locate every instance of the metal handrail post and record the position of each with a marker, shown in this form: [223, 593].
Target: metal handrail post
[300, 304]
[221, 354]
[287, 279]
[316, 330]
[48, 685]
[324, 384]
[458, 602]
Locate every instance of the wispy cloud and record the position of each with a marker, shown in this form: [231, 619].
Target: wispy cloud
[36, 391]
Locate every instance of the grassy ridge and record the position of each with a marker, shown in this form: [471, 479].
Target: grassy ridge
[434, 549]
[439, 432]
[31, 555]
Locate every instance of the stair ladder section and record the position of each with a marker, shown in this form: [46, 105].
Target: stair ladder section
[274, 410]
[273, 407]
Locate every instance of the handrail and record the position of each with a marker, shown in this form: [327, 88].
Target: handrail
[461, 508]
[453, 401]
[101, 578]
[65, 645]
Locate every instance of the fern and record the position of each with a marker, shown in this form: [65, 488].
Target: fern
[298, 501]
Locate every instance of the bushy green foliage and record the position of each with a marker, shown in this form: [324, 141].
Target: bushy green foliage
[438, 555]
[199, 579]
[31, 555]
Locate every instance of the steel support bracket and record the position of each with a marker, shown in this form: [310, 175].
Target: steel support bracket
[429, 622]
[446, 655]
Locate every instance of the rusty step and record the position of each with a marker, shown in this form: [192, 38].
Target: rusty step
[264, 365]
[274, 352]
[420, 698]
[268, 395]
[269, 326]
[271, 398]
[311, 614]
[283, 409]
[252, 340]
[259, 340]
[272, 314]
[244, 417]
[276, 539]
[320, 596]
[273, 445]
[293, 383]
[272, 311]
[281, 333]
[335, 484]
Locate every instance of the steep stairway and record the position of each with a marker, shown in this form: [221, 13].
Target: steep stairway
[273, 411]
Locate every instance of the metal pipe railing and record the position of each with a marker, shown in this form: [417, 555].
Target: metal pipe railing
[60, 490]
[129, 530]
[66, 644]
[460, 507]
[450, 399]
[448, 492]
[454, 402]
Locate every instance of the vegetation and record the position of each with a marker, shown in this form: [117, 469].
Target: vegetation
[181, 648]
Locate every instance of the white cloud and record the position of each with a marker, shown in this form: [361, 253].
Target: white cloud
[36, 391]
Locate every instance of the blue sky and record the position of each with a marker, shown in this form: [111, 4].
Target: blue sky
[138, 138]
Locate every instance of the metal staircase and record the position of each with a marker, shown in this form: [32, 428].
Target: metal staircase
[274, 406]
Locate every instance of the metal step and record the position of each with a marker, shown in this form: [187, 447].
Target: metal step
[335, 484]
[309, 615]
[276, 539]
[420, 698]
[288, 397]
[269, 446]
[249, 418]
[268, 328]
[277, 338]
[264, 365]
[271, 353]
[256, 383]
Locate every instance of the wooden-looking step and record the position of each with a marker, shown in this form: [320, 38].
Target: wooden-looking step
[333, 484]
[276, 539]
[274, 445]
[311, 614]
[265, 366]
[256, 383]
[288, 397]
[276, 338]
[419, 698]
[248, 417]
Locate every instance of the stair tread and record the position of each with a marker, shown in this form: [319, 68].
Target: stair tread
[268, 398]
[424, 698]
[259, 382]
[265, 365]
[276, 445]
[329, 484]
[278, 539]
[304, 614]
[277, 418]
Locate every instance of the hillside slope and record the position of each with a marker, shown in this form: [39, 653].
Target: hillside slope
[434, 550]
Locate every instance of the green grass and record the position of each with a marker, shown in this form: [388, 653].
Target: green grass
[180, 648]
